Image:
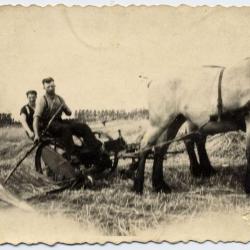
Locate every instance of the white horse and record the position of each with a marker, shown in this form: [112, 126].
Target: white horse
[193, 97]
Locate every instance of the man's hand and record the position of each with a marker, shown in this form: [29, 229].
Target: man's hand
[36, 139]
[31, 135]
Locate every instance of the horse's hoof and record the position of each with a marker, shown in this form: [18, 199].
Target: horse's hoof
[162, 188]
[196, 173]
[247, 184]
[208, 172]
[247, 188]
[136, 190]
[138, 187]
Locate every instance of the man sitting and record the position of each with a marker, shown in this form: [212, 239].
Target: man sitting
[27, 112]
[47, 107]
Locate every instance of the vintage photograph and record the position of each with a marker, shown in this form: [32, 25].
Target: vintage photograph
[121, 124]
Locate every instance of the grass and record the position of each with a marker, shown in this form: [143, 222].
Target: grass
[114, 210]
[117, 211]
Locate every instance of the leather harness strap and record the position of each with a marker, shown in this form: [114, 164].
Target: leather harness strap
[219, 97]
[219, 100]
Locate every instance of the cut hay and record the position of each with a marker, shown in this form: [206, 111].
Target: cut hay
[25, 183]
[230, 146]
[10, 199]
[115, 210]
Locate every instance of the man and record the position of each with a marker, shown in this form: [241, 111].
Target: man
[47, 107]
[27, 112]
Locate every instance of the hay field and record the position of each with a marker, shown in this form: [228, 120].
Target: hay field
[197, 209]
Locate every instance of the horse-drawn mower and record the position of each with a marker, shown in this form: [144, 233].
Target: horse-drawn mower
[86, 164]
[50, 159]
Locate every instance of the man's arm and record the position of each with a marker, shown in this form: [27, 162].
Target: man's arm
[25, 125]
[66, 108]
[36, 127]
[38, 113]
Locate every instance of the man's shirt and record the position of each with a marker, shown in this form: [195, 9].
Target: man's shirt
[47, 106]
[28, 111]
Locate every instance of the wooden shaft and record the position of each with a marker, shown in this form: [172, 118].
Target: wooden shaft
[33, 147]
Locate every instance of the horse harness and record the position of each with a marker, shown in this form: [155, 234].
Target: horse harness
[219, 100]
[218, 117]
[235, 114]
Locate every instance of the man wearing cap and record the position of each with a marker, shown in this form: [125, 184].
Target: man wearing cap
[45, 110]
[27, 112]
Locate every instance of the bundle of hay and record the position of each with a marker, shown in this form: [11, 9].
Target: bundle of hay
[230, 146]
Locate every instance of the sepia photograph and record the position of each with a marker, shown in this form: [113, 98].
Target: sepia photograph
[122, 124]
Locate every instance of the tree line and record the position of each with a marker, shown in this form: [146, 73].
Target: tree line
[88, 115]
[7, 120]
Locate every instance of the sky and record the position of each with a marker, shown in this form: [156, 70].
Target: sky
[96, 55]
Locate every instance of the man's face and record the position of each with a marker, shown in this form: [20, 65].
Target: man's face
[32, 98]
[49, 88]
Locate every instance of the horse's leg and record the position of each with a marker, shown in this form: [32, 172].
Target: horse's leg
[207, 169]
[158, 183]
[139, 176]
[195, 167]
[247, 178]
[149, 140]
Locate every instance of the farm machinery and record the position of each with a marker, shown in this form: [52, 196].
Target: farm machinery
[86, 164]
[50, 159]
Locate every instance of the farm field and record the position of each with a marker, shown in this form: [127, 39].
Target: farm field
[197, 209]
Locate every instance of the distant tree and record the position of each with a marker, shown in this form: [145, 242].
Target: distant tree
[76, 115]
[7, 120]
